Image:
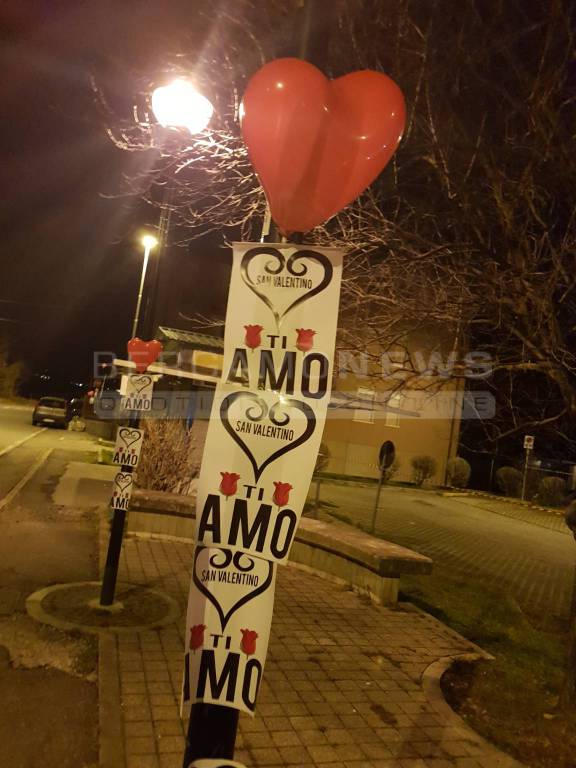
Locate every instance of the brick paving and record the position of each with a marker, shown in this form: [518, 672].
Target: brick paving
[342, 683]
[509, 547]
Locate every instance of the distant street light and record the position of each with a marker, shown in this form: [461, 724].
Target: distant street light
[149, 242]
[180, 105]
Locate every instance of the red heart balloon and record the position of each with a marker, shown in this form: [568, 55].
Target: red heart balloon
[143, 353]
[315, 143]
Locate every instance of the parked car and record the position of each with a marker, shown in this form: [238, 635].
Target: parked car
[51, 410]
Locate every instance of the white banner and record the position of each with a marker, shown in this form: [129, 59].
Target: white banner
[139, 392]
[128, 446]
[122, 490]
[263, 438]
[227, 628]
[269, 410]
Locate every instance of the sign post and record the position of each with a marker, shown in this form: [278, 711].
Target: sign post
[137, 398]
[385, 461]
[261, 447]
[528, 447]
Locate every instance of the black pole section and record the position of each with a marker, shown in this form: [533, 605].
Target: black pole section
[113, 557]
[211, 733]
[115, 543]
[314, 31]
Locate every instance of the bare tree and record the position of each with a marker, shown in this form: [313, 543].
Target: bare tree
[470, 230]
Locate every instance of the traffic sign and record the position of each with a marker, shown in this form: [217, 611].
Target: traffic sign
[528, 442]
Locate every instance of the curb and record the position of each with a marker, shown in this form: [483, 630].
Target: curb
[13, 492]
[505, 499]
[432, 688]
[111, 736]
[479, 653]
[18, 443]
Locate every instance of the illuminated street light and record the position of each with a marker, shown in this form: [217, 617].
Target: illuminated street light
[149, 242]
[180, 105]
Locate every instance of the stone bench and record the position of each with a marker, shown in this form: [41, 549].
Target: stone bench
[334, 551]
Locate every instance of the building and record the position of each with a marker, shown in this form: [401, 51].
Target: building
[408, 398]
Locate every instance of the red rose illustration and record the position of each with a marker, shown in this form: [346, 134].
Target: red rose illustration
[252, 338]
[305, 340]
[281, 494]
[248, 642]
[229, 483]
[197, 636]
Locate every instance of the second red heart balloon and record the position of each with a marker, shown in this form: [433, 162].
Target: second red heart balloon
[316, 143]
[143, 353]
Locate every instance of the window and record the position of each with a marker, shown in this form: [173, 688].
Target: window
[393, 405]
[366, 399]
[53, 402]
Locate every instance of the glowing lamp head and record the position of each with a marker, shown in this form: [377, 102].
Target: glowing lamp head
[180, 105]
[149, 242]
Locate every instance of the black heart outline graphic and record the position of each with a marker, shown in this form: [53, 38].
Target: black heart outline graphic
[229, 400]
[136, 379]
[229, 557]
[320, 258]
[125, 481]
[126, 438]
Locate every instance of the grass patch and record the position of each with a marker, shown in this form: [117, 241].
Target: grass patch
[511, 700]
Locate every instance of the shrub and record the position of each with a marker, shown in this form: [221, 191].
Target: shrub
[458, 472]
[423, 468]
[552, 491]
[167, 462]
[509, 481]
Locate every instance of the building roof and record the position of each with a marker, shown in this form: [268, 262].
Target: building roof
[191, 338]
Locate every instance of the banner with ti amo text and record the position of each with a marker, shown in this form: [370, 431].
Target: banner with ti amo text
[270, 407]
[227, 628]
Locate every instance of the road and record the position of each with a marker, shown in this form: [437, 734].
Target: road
[529, 554]
[16, 424]
[47, 677]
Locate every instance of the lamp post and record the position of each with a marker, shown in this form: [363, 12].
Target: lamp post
[149, 242]
[211, 728]
[176, 106]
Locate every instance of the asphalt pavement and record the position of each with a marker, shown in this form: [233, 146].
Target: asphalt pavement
[528, 553]
[15, 424]
[47, 677]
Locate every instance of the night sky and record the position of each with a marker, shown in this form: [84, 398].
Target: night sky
[70, 256]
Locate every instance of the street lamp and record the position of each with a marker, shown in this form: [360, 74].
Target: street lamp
[180, 105]
[176, 105]
[149, 242]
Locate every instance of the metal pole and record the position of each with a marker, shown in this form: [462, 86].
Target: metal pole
[525, 473]
[211, 733]
[317, 498]
[147, 249]
[377, 501]
[113, 557]
[163, 270]
[110, 576]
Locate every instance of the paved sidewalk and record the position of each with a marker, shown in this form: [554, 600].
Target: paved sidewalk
[343, 683]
